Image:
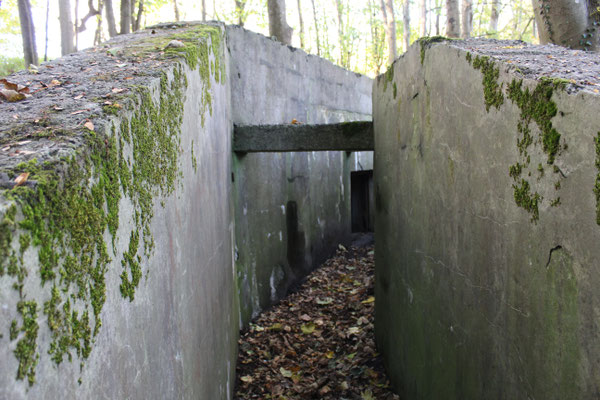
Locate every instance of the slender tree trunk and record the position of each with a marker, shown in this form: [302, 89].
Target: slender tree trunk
[176, 8]
[203, 10]
[339, 9]
[27, 33]
[98, 33]
[301, 21]
[494, 17]
[110, 18]
[66, 27]
[406, 20]
[125, 16]
[76, 19]
[467, 18]
[278, 25]
[316, 28]
[47, 20]
[138, 19]
[568, 23]
[240, 6]
[438, 13]
[389, 24]
[423, 24]
[452, 19]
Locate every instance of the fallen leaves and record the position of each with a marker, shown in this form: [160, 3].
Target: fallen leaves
[13, 92]
[21, 179]
[89, 125]
[318, 342]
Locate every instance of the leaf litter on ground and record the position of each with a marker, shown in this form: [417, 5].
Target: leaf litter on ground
[317, 343]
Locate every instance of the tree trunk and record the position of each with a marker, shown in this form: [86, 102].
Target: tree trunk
[47, 20]
[176, 8]
[452, 19]
[98, 33]
[406, 20]
[239, 10]
[340, 16]
[423, 24]
[27, 33]
[438, 13]
[138, 20]
[278, 25]
[495, 15]
[389, 24]
[66, 27]
[301, 21]
[467, 18]
[110, 18]
[316, 28]
[568, 23]
[203, 10]
[125, 16]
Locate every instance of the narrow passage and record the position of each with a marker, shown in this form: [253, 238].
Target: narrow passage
[318, 342]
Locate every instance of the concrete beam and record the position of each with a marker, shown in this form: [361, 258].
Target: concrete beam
[347, 136]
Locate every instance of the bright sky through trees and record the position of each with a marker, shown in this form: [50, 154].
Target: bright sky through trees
[361, 37]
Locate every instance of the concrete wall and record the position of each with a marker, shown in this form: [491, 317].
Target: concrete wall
[291, 209]
[177, 337]
[476, 298]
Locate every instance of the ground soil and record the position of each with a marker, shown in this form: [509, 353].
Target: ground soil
[318, 342]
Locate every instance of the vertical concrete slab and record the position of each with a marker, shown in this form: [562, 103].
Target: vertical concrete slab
[479, 293]
[176, 337]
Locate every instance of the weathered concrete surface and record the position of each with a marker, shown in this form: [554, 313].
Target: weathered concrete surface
[474, 300]
[346, 136]
[291, 209]
[177, 337]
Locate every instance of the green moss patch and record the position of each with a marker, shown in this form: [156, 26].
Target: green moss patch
[427, 41]
[597, 184]
[492, 90]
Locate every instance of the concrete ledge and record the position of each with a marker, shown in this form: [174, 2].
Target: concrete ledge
[348, 136]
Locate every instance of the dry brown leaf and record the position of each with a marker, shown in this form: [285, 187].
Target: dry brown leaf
[12, 95]
[9, 85]
[21, 179]
[54, 82]
[79, 112]
[117, 90]
[89, 125]
[78, 97]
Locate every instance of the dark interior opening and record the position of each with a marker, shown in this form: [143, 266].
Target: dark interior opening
[361, 186]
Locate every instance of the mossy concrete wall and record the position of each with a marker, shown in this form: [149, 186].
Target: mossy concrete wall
[116, 264]
[291, 209]
[487, 237]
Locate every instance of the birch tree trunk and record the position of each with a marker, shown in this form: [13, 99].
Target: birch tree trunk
[28, 33]
[278, 25]
[452, 19]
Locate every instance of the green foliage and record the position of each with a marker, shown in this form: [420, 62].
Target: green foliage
[9, 65]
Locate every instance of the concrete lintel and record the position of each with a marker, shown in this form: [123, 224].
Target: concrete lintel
[348, 136]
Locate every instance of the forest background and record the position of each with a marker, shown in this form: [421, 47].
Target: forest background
[360, 35]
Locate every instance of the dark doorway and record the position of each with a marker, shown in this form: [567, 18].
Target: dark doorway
[361, 185]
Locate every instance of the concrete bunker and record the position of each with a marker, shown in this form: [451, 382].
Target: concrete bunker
[486, 284]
